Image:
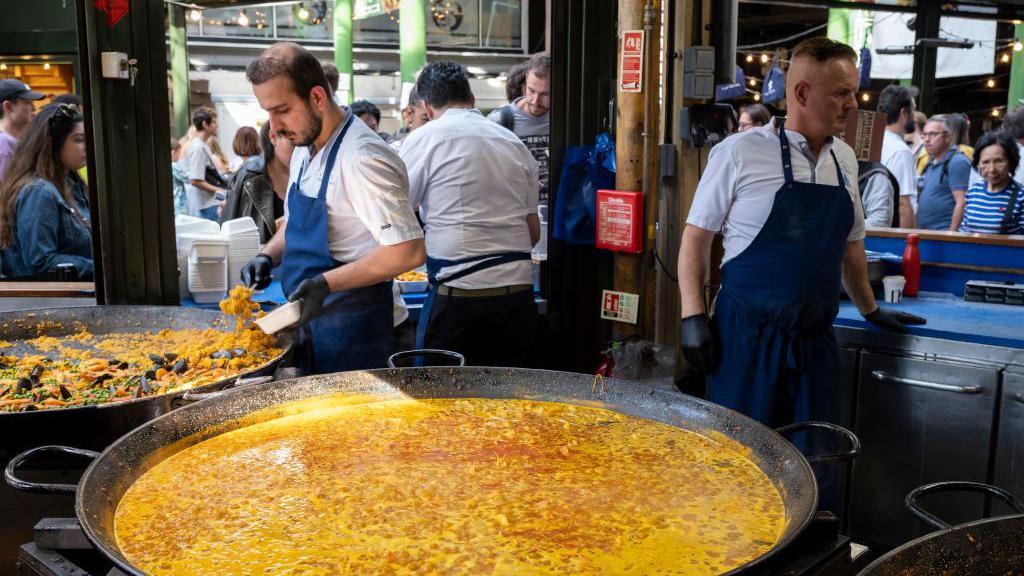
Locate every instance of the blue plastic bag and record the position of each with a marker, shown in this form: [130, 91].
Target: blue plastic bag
[774, 88]
[585, 170]
[865, 68]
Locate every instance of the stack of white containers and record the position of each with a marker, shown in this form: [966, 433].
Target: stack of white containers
[187, 229]
[207, 268]
[243, 245]
[210, 257]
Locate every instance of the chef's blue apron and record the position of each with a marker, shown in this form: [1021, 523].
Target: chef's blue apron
[434, 267]
[354, 329]
[778, 300]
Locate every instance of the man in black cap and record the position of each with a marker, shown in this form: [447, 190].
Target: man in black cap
[16, 111]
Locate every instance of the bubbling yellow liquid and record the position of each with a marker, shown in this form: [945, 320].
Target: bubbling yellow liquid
[465, 486]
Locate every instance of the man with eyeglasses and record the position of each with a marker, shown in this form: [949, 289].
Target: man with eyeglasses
[16, 111]
[942, 187]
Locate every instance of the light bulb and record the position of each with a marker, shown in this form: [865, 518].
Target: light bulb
[3, 66]
[195, 15]
[757, 97]
[995, 112]
[991, 83]
[752, 82]
[1018, 46]
[243, 20]
[750, 57]
[303, 13]
[764, 58]
[865, 97]
[1004, 58]
[46, 66]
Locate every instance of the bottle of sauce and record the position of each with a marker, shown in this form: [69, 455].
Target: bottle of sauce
[911, 266]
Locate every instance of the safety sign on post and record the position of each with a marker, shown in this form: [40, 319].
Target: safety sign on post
[631, 61]
[620, 217]
[619, 306]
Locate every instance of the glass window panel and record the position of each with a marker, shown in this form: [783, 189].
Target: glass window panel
[453, 23]
[250, 22]
[502, 23]
[305, 20]
[379, 29]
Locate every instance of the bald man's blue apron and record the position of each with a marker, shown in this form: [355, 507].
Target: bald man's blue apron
[354, 330]
[778, 301]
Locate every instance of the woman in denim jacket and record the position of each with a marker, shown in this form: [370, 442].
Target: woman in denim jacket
[44, 226]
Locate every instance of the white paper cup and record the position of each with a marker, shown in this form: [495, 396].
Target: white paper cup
[892, 286]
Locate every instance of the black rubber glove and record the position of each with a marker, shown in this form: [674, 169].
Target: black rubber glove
[893, 320]
[312, 291]
[256, 272]
[699, 343]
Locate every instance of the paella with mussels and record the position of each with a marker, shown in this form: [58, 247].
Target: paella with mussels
[83, 369]
[343, 485]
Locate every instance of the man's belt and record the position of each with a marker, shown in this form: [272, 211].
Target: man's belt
[444, 290]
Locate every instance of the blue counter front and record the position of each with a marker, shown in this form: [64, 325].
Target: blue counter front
[951, 318]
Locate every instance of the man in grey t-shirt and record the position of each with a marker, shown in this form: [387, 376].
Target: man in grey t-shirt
[527, 116]
[16, 111]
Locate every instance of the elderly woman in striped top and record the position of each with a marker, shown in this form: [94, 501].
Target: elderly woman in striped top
[995, 205]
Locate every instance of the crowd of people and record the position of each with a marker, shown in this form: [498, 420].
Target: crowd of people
[207, 185]
[930, 177]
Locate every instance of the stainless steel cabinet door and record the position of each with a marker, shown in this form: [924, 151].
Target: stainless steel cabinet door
[847, 386]
[1009, 464]
[920, 421]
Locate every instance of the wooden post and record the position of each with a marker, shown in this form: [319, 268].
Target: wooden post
[632, 135]
[679, 190]
[128, 134]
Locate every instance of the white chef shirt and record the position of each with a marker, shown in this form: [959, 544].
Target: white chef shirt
[736, 192]
[475, 183]
[367, 193]
[897, 157]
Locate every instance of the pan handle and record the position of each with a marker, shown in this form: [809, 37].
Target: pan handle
[192, 397]
[914, 505]
[425, 352]
[41, 488]
[850, 437]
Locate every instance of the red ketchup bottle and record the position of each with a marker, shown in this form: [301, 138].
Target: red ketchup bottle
[911, 266]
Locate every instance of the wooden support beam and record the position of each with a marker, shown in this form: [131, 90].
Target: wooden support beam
[128, 135]
[637, 161]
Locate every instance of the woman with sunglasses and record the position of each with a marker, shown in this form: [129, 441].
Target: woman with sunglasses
[44, 228]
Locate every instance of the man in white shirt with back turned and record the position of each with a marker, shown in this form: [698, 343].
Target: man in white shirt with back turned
[476, 186]
[897, 103]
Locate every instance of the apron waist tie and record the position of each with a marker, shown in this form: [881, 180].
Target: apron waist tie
[794, 351]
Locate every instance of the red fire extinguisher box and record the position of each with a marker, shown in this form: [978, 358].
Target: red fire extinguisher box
[620, 220]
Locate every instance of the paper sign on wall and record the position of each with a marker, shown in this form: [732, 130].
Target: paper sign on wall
[619, 306]
[631, 61]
